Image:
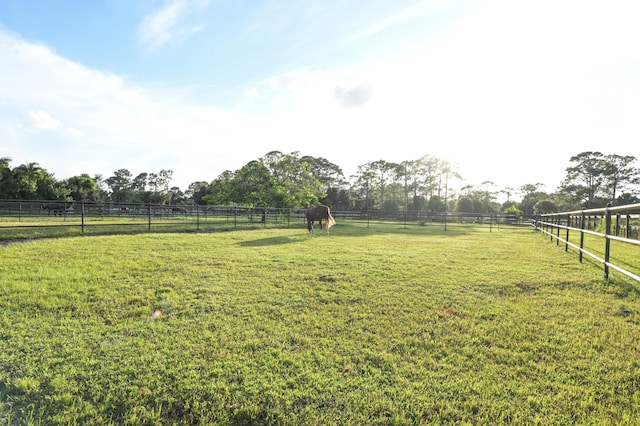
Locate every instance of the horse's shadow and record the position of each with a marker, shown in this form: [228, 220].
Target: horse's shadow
[270, 241]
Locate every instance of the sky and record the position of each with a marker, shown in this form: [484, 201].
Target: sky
[507, 91]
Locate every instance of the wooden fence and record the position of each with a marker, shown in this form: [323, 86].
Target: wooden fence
[607, 235]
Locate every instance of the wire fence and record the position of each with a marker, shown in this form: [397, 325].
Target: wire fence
[45, 218]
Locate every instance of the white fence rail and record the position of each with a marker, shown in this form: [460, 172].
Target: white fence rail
[610, 224]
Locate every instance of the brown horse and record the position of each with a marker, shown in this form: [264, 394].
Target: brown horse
[57, 208]
[319, 213]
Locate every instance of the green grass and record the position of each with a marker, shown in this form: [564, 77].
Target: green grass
[622, 254]
[365, 326]
[42, 226]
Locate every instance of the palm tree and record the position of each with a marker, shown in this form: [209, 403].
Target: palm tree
[5, 177]
[26, 177]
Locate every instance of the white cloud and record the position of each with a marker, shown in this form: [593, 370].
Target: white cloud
[414, 12]
[172, 21]
[74, 133]
[41, 121]
[354, 97]
[33, 72]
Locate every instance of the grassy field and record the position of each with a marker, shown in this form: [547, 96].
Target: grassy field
[622, 254]
[43, 226]
[365, 326]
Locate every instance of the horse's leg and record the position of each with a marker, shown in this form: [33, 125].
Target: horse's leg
[310, 226]
[320, 222]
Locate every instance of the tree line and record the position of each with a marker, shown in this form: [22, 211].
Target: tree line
[281, 180]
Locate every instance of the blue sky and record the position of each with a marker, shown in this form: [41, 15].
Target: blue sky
[505, 90]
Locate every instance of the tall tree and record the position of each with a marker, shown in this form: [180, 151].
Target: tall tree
[83, 188]
[102, 186]
[508, 192]
[174, 195]
[49, 188]
[531, 194]
[32, 182]
[464, 204]
[545, 206]
[329, 174]
[163, 181]
[254, 185]
[294, 184]
[429, 173]
[223, 190]
[620, 175]
[447, 172]
[585, 181]
[384, 179]
[420, 179]
[338, 199]
[331, 178]
[363, 187]
[139, 183]
[6, 178]
[25, 177]
[489, 196]
[120, 186]
[197, 191]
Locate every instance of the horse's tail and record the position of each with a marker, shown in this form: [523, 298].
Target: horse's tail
[330, 221]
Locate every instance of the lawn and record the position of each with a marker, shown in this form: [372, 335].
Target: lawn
[373, 325]
[45, 226]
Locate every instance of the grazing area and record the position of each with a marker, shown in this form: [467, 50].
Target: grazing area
[276, 326]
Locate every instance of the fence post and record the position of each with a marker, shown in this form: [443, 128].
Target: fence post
[540, 218]
[607, 244]
[558, 230]
[82, 216]
[548, 226]
[581, 234]
[197, 217]
[149, 217]
[566, 245]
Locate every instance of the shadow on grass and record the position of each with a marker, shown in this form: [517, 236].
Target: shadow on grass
[356, 229]
[625, 287]
[270, 241]
[346, 230]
